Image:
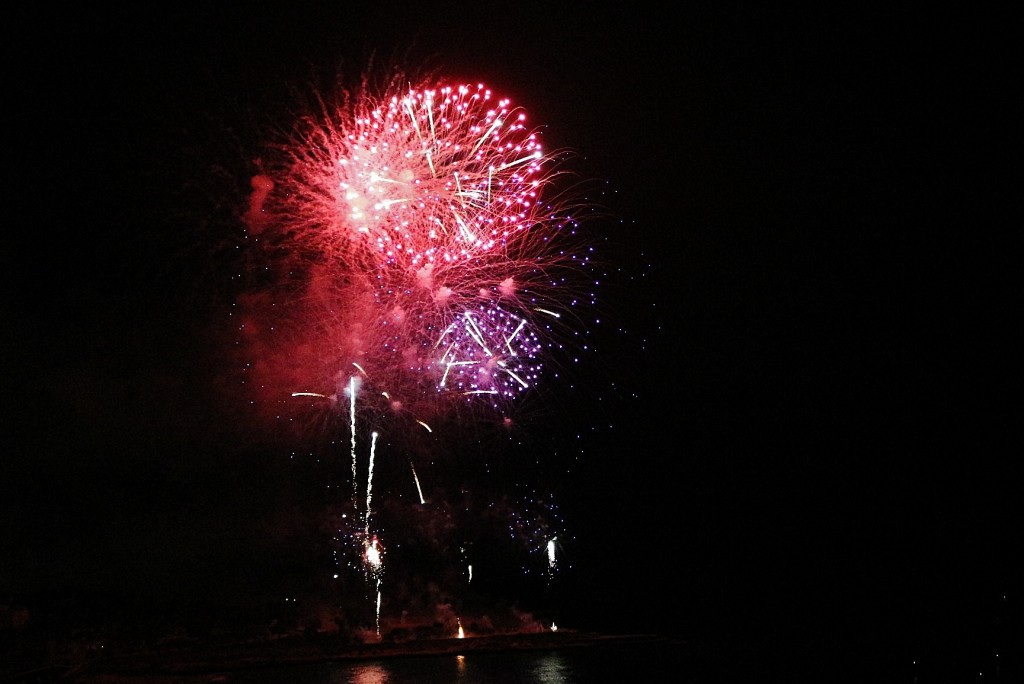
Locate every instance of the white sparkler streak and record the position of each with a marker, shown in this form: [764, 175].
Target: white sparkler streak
[508, 340]
[449, 349]
[495, 125]
[424, 425]
[551, 552]
[463, 227]
[386, 204]
[360, 369]
[416, 479]
[378, 607]
[408, 102]
[470, 568]
[309, 394]
[352, 431]
[448, 366]
[441, 223]
[429, 97]
[369, 480]
[480, 392]
[514, 376]
[549, 313]
[521, 160]
[443, 335]
[475, 333]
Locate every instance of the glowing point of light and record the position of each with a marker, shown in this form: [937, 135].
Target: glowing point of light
[373, 554]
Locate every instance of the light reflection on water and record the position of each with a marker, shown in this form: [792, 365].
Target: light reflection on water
[370, 673]
[508, 668]
[552, 669]
[566, 666]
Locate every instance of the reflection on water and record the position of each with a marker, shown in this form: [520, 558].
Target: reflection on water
[552, 668]
[637, 662]
[510, 668]
[370, 673]
[460, 661]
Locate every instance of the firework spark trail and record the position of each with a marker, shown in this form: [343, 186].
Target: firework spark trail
[416, 479]
[352, 432]
[377, 608]
[369, 481]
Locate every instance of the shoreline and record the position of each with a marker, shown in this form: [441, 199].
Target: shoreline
[202, 664]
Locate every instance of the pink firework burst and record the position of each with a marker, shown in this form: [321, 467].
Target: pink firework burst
[429, 242]
[420, 179]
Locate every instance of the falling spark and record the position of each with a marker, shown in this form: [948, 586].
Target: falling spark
[369, 480]
[416, 479]
[352, 432]
[378, 607]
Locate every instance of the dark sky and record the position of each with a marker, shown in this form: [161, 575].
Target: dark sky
[802, 408]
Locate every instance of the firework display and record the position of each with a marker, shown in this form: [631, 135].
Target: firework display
[421, 264]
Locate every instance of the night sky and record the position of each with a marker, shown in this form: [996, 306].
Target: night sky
[799, 414]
